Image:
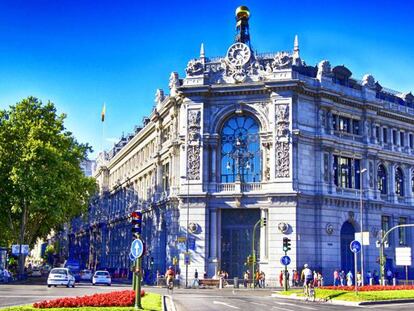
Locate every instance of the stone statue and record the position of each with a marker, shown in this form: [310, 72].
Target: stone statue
[368, 81]
[324, 69]
[174, 83]
[159, 96]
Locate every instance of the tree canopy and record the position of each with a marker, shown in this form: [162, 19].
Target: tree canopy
[41, 183]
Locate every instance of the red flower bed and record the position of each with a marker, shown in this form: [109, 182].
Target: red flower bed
[125, 298]
[368, 288]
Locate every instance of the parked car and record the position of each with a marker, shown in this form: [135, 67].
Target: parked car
[36, 272]
[86, 275]
[101, 277]
[60, 276]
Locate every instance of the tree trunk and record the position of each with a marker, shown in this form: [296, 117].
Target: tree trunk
[21, 239]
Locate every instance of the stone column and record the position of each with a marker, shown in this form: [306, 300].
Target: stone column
[391, 183]
[213, 241]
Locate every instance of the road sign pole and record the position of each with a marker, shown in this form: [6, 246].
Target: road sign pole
[356, 271]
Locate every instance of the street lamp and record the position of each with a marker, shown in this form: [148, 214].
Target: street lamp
[361, 221]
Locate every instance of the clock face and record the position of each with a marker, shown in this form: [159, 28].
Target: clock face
[238, 54]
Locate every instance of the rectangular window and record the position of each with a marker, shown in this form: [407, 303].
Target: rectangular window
[355, 127]
[394, 137]
[385, 225]
[384, 135]
[346, 172]
[334, 124]
[402, 143]
[166, 177]
[402, 235]
[411, 141]
[377, 132]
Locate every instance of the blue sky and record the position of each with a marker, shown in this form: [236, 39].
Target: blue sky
[82, 53]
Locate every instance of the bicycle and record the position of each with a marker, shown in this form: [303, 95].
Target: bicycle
[170, 285]
[309, 291]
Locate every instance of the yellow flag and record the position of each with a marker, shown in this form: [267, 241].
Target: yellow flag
[103, 113]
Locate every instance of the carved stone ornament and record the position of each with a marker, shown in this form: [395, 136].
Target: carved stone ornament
[282, 120]
[193, 227]
[329, 229]
[194, 68]
[282, 159]
[282, 60]
[283, 227]
[193, 151]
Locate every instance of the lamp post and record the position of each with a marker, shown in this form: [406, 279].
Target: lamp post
[361, 221]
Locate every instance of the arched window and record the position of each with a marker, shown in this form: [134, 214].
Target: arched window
[240, 150]
[382, 179]
[399, 182]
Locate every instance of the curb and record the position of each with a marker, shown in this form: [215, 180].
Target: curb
[165, 303]
[347, 303]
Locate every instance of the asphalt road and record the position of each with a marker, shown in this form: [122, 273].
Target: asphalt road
[231, 300]
[13, 294]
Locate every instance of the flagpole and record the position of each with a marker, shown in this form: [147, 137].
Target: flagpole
[103, 127]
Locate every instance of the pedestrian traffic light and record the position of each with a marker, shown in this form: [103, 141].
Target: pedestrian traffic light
[264, 221]
[286, 244]
[136, 220]
[175, 261]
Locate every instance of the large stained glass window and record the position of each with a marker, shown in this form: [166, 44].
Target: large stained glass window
[240, 150]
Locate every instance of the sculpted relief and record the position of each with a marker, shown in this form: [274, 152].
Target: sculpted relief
[193, 151]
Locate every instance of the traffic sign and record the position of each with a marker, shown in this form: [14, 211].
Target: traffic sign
[192, 243]
[137, 248]
[132, 258]
[186, 259]
[16, 249]
[355, 246]
[403, 256]
[285, 260]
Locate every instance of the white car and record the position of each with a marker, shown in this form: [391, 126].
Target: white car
[36, 272]
[60, 276]
[101, 277]
[86, 275]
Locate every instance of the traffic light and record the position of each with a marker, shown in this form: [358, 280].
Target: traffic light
[264, 221]
[136, 220]
[286, 244]
[175, 261]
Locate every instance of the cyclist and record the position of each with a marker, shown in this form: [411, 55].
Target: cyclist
[307, 278]
[170, 274]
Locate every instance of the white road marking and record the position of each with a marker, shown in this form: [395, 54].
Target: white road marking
[388, 305]
[224, 304]
[258, 304]
[295, 305]
[284, 309]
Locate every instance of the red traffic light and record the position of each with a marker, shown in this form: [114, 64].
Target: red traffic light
[136, 215]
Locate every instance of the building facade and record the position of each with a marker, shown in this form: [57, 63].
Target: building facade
[254, 136]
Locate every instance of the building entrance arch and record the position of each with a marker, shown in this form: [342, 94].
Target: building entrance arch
[347, 236]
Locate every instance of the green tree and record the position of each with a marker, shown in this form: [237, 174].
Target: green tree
[41, 183]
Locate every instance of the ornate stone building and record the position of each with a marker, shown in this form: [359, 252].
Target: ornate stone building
[249, 136]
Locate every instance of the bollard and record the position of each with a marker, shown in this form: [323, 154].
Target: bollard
[371, 281]
[394, 281]
[221, 283]
[236, 282]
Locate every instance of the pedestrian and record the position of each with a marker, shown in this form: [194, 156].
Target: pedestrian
[158, 278]
[287, 278]
[369, 277]
[246, 278]
[359, 278]
[349, 278]
[6, 275]
[342, 277]
[295, 278]
[389, 276]
[375, 276]
[336, 278]
[281, 278]
[262, 279]
[320, 279]
[195, 280]
[257, 278]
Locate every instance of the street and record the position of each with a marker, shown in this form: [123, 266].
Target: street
[213, 299]
[185, 299]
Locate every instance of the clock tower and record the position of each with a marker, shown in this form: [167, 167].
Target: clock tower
[242, 25]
